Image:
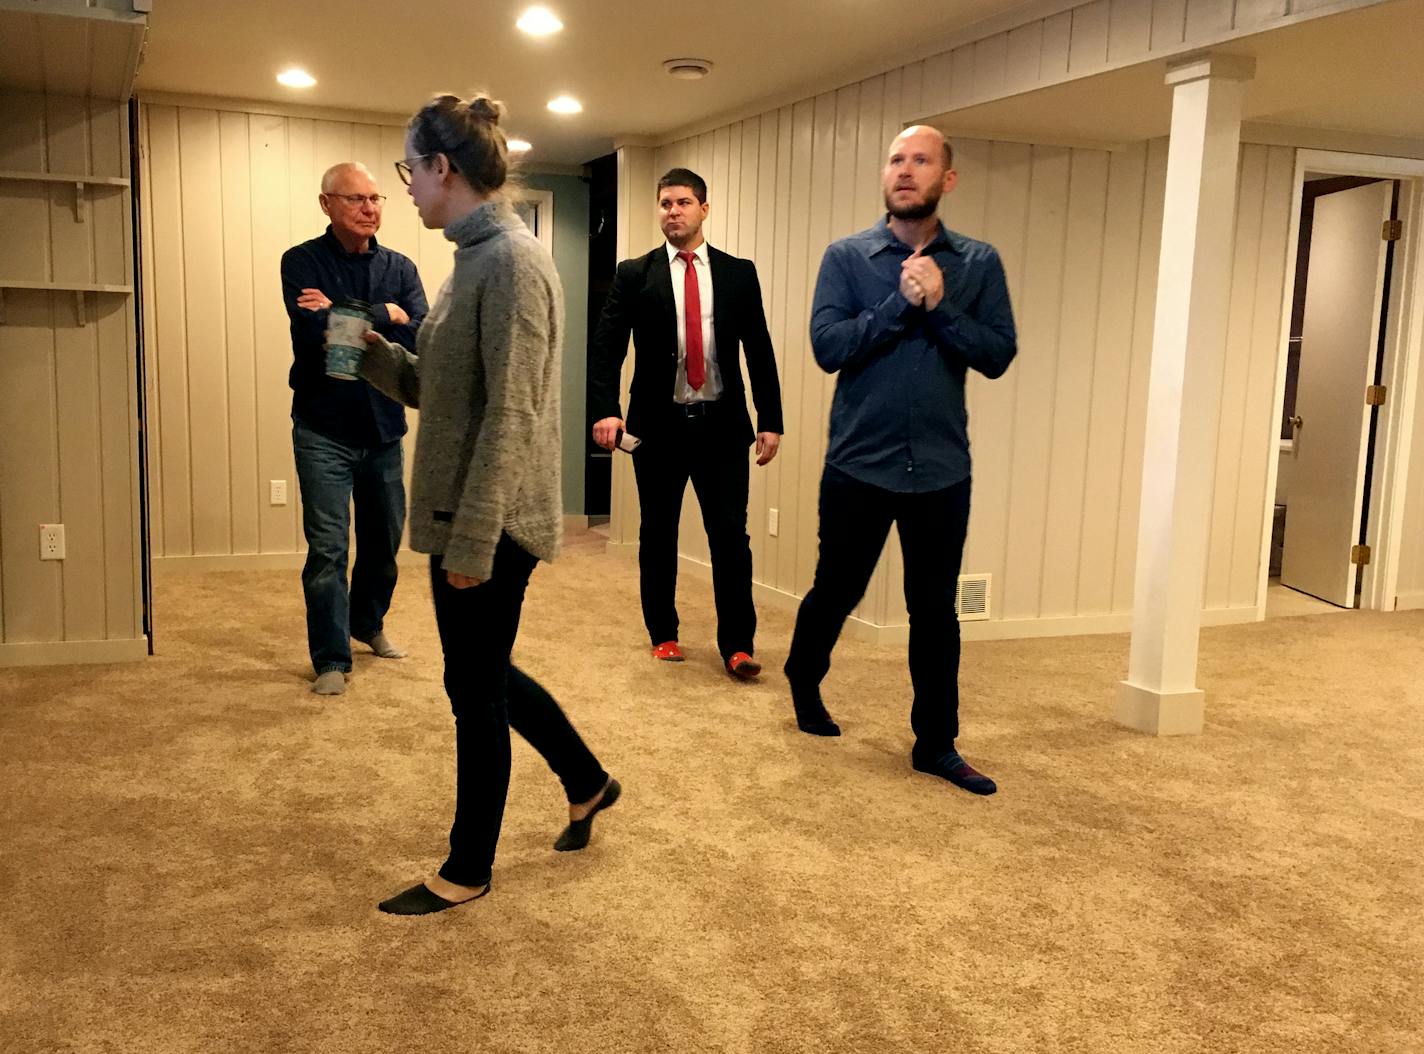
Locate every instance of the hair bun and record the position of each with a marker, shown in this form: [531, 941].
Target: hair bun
[486, 108]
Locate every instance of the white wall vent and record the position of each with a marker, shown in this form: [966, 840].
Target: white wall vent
[971, 600]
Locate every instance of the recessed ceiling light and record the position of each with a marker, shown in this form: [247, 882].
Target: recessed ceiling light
[688, 69]
[520, 146]
[539, 22]
[296, 78]
[565, 104]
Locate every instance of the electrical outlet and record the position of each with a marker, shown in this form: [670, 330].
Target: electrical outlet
[773, 522]
[51, 541]
[279, 491]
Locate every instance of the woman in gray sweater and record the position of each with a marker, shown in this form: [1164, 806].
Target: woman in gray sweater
[485, 497]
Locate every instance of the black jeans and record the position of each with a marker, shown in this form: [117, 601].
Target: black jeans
[698, 448]
[488, 694]
[855, 520]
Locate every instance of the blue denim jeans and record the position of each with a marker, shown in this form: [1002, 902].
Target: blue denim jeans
[331, 474]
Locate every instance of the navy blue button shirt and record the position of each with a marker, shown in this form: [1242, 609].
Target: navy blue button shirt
[898, 420]
[349, 411]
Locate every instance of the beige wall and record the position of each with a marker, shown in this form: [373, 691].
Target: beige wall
[1048, 42]
[1410, 589]
[224, 194]
[68, 453]
[1057, 441]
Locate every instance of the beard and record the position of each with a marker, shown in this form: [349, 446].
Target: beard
[922, 210]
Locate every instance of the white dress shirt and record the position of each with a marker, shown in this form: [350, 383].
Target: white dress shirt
[711, 389]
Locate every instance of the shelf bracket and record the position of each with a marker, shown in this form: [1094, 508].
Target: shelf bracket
[80, 315]
[80, 203]
[2, 306]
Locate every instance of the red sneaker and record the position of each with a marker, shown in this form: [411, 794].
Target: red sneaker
[668, 651]
[743, 667]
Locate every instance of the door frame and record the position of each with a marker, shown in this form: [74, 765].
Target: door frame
[542, 202]
[1403, 346]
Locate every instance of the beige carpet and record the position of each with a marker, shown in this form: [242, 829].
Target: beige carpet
[191, 848]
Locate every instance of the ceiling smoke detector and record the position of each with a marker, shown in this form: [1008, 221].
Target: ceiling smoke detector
[688, 69]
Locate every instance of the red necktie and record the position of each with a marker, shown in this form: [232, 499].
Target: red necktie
[692, 311]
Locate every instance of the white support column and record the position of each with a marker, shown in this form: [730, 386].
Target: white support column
[1160, 695]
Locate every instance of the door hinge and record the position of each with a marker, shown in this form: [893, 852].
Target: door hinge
[1375, 394]
[1392, 231]
[1360, 555]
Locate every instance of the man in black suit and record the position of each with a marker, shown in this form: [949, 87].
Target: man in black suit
[688, 406]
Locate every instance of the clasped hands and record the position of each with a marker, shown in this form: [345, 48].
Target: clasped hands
[921, 281]
[316, 300]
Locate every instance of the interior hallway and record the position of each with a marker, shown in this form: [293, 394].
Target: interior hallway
[194, 845]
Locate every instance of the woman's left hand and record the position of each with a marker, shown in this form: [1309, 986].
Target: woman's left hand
[460, 581]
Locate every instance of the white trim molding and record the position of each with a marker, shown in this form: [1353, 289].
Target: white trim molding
[73, 652]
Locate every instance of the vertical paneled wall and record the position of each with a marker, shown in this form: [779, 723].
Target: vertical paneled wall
[68, 453]
[1089, 39]
[1058, 441]
[224, 194]
[1411, 556]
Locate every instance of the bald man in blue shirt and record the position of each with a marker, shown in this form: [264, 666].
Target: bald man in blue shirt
[902, 312]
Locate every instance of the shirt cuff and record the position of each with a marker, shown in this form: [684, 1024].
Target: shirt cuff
[946, 316]
[894, 309]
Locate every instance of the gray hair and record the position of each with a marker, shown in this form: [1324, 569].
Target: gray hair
[329, 177]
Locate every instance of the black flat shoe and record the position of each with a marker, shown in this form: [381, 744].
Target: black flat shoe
[420, 899]
[578, 832]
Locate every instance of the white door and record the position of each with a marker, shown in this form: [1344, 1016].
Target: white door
[1339, 341]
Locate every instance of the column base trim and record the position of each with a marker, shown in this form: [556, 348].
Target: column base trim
[1160, 713]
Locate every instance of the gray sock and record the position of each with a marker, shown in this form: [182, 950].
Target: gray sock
[382, 647]
[332, 682]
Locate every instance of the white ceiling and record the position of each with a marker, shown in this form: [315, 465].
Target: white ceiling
[1355, 72]
[375, 55]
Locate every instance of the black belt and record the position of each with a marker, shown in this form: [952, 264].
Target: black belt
[701, 409]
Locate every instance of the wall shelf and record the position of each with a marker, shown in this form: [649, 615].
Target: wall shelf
[81, 197]
[65, 287]
[80, 290]
[59, 177]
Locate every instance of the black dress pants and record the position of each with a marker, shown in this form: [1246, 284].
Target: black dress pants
[700, 449]
[855, 521]
[488, 694]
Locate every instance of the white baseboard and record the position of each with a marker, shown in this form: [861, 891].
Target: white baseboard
[990, 629]
[164, 566]
[73, 652]
[168, 565]
[1409, 602]
[187, 565]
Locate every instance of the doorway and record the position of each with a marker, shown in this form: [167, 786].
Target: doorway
[1347, 371]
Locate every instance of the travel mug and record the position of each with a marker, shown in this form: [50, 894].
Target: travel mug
[347, 324]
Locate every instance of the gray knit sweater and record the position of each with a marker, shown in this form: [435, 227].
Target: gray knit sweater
[486, 381]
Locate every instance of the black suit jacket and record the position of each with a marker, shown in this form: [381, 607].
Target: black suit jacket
[641, 303]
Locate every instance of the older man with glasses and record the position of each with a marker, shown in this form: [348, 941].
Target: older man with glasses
[346, 434]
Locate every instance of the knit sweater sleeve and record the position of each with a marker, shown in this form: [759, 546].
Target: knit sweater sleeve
[515, 334]
[393, 370]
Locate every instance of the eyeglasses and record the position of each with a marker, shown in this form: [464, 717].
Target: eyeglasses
[357, 200]
[403, 167]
